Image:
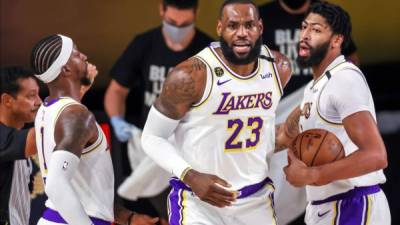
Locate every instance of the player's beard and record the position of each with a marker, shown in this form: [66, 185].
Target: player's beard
[317, 54]
[229, 54]
[85, 80]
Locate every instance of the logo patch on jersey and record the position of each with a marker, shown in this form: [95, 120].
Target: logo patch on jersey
[65, 165]
[306, 111]
[265, 76]
[219, 82]
[252, 101]
[323, 214]
[219, 72]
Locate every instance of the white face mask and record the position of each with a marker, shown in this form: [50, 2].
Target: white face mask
[177, 34]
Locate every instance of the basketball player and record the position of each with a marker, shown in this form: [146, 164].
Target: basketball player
[74, 157]
[220, 104]
[338, 100]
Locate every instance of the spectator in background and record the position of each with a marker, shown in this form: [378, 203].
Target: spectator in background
[282, 20]
[145, 62]
[19, 102]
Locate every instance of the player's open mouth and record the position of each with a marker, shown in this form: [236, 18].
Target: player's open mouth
[304, 49]
[241, 48]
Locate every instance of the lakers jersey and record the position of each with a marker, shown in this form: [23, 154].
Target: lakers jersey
[318, 112]
[93, 182]
[230, 132]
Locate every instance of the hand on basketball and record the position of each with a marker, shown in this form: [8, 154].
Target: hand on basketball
[210, 188]
[297, 172]
[141, 219]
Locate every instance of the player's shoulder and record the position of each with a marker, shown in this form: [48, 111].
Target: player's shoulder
[283, 66]
[348, 74]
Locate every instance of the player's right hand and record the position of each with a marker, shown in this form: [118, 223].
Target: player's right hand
[141, 219]
[210, 188]
[122, 129]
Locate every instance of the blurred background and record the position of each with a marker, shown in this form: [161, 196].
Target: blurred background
[103, 29]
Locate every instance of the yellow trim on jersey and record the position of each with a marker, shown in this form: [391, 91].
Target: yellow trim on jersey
[198, 104]
[184, 206]
[275, 72]
[185, 172]
[227, 69]
[368, 203]
[90, 148]
[324, 74]
[271, 203]
[335, 213]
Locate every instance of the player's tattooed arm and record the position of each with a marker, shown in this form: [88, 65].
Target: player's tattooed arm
[286, 133]
[283, 66]
[183, 87]
[75, 128]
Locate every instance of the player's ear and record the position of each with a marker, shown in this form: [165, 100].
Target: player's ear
[219, 28]
[161, 9]
[337, 40]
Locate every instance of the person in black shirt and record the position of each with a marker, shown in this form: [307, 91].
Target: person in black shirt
[19, 102]
[148, 58]
[282, 21]
[142, 67]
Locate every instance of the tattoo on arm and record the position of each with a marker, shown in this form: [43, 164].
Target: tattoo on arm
[291, 127]
[183, 87]
[279, 145]
[285, 133]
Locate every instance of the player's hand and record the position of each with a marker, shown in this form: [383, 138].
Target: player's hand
[297, 172]
[122, 129]
[210, 188]
[141, 219]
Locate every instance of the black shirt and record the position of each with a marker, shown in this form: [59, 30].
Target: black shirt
[145, 63]
[12, 147]
[282, 33]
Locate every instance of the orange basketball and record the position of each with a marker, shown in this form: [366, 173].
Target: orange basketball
[317, 147]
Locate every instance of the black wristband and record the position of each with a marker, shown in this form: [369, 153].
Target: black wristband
[130, 218]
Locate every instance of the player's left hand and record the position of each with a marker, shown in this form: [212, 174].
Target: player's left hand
[297, 172]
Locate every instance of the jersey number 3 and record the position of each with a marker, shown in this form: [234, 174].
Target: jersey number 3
[254, 125]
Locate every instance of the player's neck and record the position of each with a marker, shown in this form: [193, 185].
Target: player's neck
[242, 70]
[8, 119]
[320, 68]
[300, 10]
[72, 91]
[181, 45]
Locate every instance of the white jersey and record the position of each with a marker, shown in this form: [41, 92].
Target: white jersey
[341, 91]
[231, 131]
[93, 182]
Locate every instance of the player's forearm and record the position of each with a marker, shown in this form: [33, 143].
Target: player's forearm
[286, 133]
[155, 143]
[356, 164]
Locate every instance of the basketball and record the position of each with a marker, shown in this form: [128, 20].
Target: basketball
[317, 147]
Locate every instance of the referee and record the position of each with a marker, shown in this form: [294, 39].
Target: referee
[19, 102]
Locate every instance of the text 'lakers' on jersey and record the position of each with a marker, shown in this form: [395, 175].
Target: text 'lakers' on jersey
[319, 111]
[230, 132]
[93, 182]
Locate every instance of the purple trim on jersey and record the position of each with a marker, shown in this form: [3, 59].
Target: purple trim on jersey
[175, 202]
[350, 211]
[251, 189]
[243, 192]
[54, 216]
[51, 102]
[356, 192]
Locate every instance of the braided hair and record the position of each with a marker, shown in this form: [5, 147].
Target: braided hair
[336, 17]
[45, 52]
